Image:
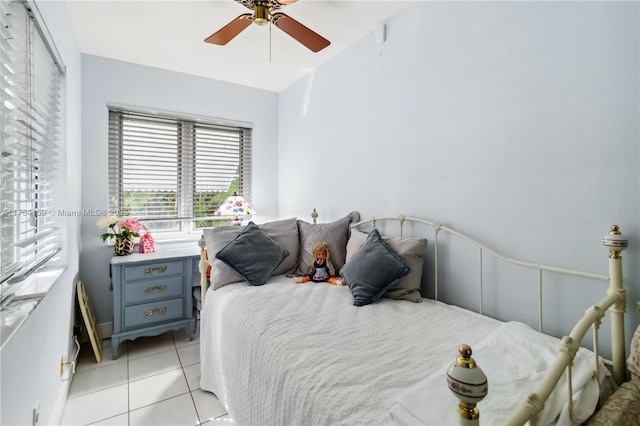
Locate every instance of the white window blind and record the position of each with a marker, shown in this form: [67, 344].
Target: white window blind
[31, 93]
[173, 173]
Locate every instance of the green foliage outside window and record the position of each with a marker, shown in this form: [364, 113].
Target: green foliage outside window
[145, 205]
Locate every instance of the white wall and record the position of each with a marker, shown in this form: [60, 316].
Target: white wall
[516, 122]
[31, 359]
[107, 81]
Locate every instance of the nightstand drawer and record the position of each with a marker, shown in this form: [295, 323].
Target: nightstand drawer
[153, 270]
[150, 313]
[151, 290]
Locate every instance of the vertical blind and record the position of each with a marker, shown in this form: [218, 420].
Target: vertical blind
[31, 94]
[173, 173]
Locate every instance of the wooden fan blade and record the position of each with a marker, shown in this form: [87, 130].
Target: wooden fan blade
[225, 34]
[310, 39]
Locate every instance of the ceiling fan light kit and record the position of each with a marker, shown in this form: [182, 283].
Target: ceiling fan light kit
[263, 12]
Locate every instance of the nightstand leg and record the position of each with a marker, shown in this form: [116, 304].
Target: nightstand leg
[115, 343]
[192, 330]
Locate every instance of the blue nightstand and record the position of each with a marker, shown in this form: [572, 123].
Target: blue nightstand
[152, 294]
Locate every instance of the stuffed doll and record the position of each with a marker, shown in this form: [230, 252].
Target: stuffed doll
[321, 270]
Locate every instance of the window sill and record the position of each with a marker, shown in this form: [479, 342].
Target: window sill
[176, 238]
[26, 296]
[165, 238]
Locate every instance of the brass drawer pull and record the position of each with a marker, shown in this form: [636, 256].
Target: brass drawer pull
[160, 289]
[160, 311]
[161, 269]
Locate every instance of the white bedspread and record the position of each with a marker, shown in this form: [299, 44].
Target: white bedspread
[514, 357]
[302, 354]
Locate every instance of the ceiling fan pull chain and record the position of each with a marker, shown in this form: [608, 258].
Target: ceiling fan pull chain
[270, 26]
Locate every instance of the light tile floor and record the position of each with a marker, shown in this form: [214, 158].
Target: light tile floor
[155, 381]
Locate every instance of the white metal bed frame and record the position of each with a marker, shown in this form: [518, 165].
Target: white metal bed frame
[615, 301]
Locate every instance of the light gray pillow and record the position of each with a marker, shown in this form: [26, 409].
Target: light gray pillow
[356, 240]
[284, 232]
[253, 254]
[411, 251]
[216, 239]
[335, 234]
[373, 270]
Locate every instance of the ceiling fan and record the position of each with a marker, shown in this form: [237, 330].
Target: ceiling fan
[263, 12]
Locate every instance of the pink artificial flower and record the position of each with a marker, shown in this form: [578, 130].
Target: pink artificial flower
[132, 224]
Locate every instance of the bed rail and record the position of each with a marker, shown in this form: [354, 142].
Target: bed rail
[615, 301]
[203, 266]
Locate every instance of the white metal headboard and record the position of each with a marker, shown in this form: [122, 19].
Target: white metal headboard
[437, 227]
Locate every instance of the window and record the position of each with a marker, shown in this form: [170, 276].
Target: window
[173, 172]
[31, 98]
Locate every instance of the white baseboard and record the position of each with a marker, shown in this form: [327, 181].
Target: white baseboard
[58, 408]
[105, 329]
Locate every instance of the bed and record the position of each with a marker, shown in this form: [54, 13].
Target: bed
[280, 353]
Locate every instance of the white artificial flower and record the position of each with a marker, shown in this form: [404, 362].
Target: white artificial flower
[107, 221]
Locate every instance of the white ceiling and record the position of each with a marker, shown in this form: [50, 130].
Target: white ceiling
[170, 35]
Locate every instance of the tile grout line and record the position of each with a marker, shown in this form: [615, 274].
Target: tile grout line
[100, 390]
[128, 360]
[129, 381]
[184, 374]
[89, 370]
[161, 400]
[128, 388]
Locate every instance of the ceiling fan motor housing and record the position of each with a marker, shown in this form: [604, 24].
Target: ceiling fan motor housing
[260, 15]
[270, 5]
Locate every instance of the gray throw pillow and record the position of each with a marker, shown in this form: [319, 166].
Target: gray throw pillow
[373, 270]
[284, 232]
[411, 250]
[335, 234]
[253, 254]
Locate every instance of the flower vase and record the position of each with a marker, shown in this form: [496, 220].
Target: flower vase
[124, 246]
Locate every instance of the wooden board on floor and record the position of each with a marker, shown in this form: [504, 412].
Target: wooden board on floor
[89, 321]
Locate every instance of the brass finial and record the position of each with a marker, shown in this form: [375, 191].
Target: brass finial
[469, 384]
[465, 351]
[615, 242]
[464, 359]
